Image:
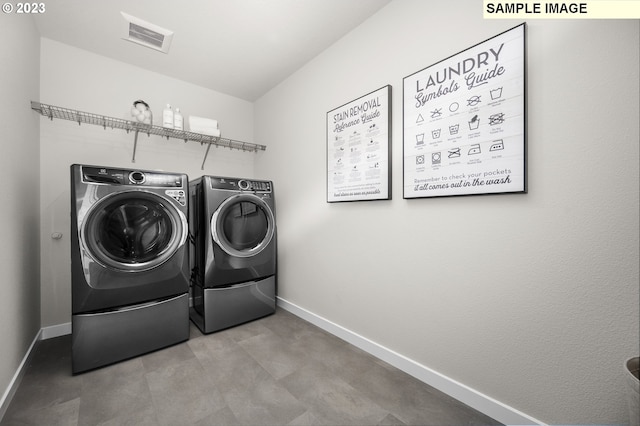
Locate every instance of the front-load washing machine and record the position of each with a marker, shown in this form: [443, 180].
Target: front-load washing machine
[233, 230]
[129, 263]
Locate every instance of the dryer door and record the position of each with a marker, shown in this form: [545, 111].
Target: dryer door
[133, 231]
[243, 225]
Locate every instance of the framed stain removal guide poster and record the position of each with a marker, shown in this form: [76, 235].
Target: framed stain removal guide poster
[359, 149]
[464, 122]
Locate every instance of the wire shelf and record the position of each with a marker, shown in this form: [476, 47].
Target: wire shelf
[80, 117]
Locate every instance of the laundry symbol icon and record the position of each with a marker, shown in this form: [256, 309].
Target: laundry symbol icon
[474, 123]
[453, 130]
[475, 149]
[496, 119]
[496, 93]
[497, 146]
[420, 159]
[420, 118]
[420, 139]
[473, 101]
[454, 107]
[454, 153]
[436, 113]
[435, 133]
[436, 158]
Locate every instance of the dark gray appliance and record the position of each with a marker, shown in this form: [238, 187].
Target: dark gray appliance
[233, 229]
[129, 263]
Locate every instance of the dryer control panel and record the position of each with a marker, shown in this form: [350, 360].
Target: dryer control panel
[235, 184]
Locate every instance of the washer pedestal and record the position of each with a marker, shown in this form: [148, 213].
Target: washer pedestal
[218, 308]
[102, 338]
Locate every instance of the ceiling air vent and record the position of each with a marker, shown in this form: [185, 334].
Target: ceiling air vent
[146, 34]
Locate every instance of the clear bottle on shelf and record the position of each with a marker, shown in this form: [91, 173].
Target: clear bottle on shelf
[167, 117]
[178, 120]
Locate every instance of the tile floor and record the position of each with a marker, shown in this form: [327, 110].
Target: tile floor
[279, 370]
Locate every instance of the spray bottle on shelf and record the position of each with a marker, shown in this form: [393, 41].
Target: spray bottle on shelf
[167, 117]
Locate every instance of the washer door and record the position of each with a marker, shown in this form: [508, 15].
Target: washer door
[133, 231]
[243, 225]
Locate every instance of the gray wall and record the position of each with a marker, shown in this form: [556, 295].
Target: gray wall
[19, 215]
[531, 299]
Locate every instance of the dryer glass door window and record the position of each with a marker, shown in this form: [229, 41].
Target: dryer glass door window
[133, 231]
[243, 225]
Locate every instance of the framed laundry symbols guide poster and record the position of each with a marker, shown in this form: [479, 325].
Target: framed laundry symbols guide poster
[464, 122]
[359, 149]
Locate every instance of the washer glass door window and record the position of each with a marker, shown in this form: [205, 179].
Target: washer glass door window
[243, 225]
[133, 231]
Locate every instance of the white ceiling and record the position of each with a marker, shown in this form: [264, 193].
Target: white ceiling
[239, 47]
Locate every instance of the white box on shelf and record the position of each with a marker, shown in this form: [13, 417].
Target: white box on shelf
[206, 126]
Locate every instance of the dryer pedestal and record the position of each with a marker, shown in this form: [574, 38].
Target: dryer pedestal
[215, 309]
[103, 338]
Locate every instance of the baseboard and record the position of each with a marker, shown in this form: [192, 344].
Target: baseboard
[17, 378]
[476, 400]
[56, 331]
[43, 334]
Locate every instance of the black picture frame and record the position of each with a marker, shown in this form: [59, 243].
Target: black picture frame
[464, 122]
[359, 149]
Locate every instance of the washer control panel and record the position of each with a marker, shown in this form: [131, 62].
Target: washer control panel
[236, 184]
[108, 176]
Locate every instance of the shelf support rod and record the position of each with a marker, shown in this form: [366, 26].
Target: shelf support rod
[135, 145]
[206, 153]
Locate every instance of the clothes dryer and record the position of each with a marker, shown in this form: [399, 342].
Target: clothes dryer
[129, 263]
[234, 258]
